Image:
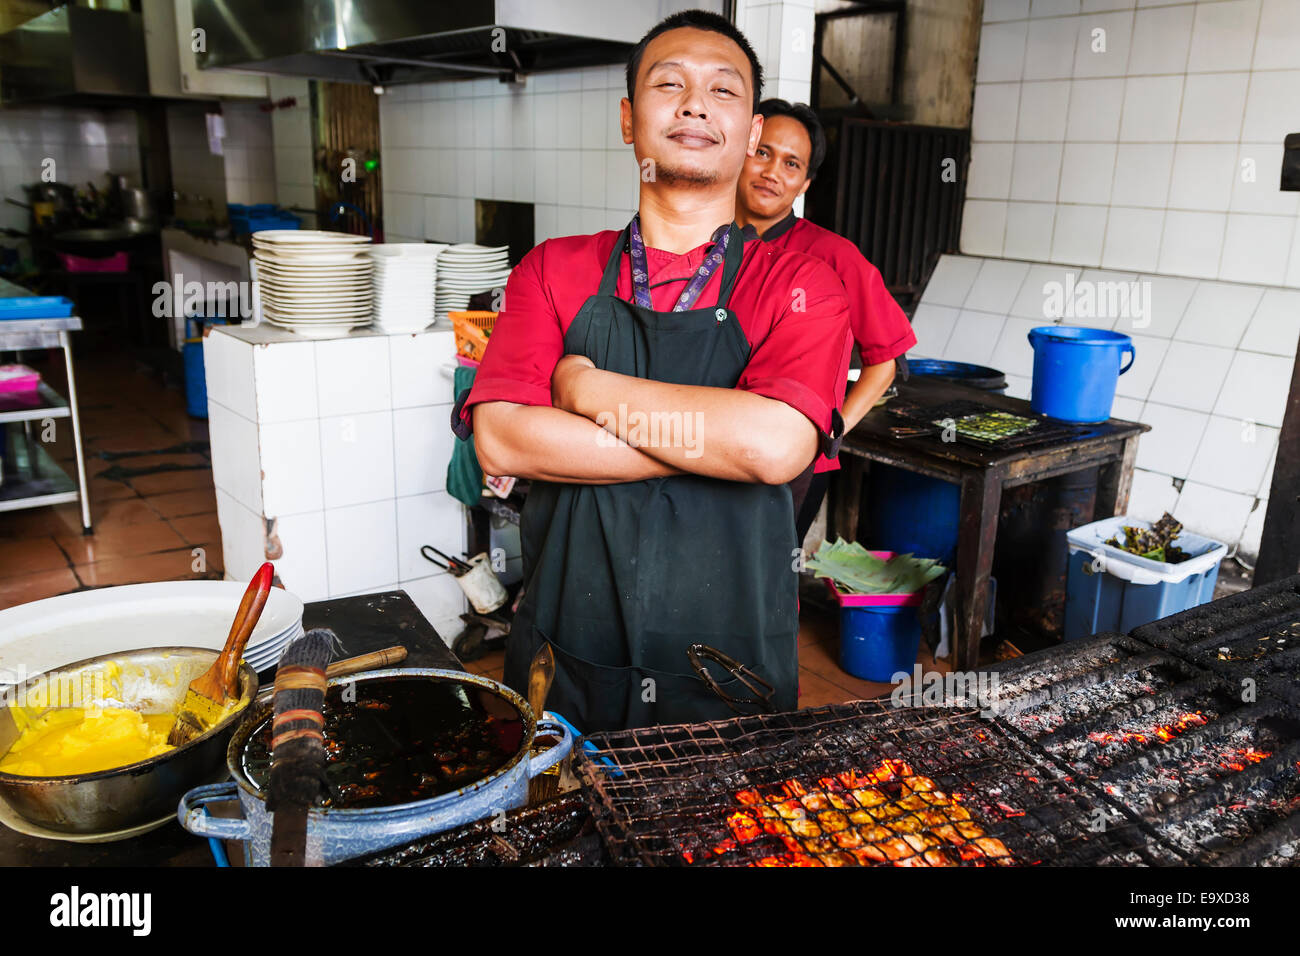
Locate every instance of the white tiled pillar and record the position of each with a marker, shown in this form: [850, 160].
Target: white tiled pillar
[330, 459]
[781, 33]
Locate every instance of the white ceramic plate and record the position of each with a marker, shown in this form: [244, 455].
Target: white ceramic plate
[72, 627]
[319, 316]
[307, 237]
[14, 822]
[319, 330]
[324, 258]
[267, 273]
[340, 300]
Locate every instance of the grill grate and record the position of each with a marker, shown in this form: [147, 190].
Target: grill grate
[852, 784]
[1252, 635]
[1207, 772]
[1043, 431]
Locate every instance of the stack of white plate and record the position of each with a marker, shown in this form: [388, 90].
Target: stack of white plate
[467, 269]
[44, 635]
[404, 284]
[315, 283]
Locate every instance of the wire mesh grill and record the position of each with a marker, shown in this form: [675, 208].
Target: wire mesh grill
[1043, 430]
[848, 785]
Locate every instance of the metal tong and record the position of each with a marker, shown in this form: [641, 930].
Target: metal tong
[763, 692]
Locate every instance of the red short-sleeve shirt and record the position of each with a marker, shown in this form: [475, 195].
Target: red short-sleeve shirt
[877, 322]
[791, 307]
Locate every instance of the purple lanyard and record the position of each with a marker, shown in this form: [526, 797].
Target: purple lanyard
[641, 272]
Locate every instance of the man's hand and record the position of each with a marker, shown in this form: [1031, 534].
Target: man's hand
[564, 381]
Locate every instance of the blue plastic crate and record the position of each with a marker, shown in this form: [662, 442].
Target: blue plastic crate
[35, 307]
[1111, 590]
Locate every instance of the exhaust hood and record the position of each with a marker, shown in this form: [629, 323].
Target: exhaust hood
[74, 54]
[398, 41]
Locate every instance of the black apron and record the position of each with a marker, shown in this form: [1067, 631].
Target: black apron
[621, 579]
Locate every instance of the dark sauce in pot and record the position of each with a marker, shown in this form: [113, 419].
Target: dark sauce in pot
[398, 740]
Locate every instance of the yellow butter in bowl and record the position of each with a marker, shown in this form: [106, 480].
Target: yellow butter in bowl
[70, 741]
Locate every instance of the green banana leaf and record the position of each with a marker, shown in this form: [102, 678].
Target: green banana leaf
[856, 570]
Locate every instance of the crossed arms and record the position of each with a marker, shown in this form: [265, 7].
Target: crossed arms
[741, 436]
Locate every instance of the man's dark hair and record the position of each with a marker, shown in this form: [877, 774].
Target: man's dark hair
[698, 20]
[804, 114]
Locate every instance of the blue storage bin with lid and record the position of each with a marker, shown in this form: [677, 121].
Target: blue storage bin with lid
[1108, 589]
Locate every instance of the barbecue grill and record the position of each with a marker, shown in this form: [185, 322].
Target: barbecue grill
[846, 785]
[1151, 749]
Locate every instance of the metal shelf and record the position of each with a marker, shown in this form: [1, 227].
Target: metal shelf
[32, 477]
[45, 402]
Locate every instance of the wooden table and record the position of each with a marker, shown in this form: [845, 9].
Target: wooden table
[982, 473]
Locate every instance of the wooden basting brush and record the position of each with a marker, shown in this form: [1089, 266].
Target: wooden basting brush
[212, 693]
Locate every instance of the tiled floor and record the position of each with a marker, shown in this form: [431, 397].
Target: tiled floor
[151, 521]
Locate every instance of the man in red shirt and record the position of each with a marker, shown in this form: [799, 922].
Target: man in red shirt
[660, 386]
[790, 150]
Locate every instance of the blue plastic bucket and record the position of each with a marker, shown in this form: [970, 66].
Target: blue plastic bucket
[878, 642]
[1076, 370]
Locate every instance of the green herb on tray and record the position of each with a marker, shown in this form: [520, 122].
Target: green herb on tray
[988, 426]
[856, 570]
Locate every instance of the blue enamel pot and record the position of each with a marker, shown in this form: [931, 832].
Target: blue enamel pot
[335, 834]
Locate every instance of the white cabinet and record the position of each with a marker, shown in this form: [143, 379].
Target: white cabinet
[173, 70]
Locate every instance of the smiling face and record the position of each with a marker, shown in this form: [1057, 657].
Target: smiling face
[777, 174]
[693, 112]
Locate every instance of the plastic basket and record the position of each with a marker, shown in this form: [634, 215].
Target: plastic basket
[472, 330]
[117, 262]
[1108, 589]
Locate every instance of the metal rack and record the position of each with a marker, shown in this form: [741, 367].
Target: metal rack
[39, 481]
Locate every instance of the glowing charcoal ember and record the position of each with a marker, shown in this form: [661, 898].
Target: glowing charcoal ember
[1164, 732]
[745, 827]
[888, 815]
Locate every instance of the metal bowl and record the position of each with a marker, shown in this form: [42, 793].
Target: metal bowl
[108, 800]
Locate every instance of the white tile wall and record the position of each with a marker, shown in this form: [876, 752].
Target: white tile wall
[291, 133]
[1192, 98]
[83, 143]
[302, 564]
[361, 546]
[357, 458]
[553, 142]
[1275, 326]
[1219, 313]
[1211, 374]
[292, 482]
